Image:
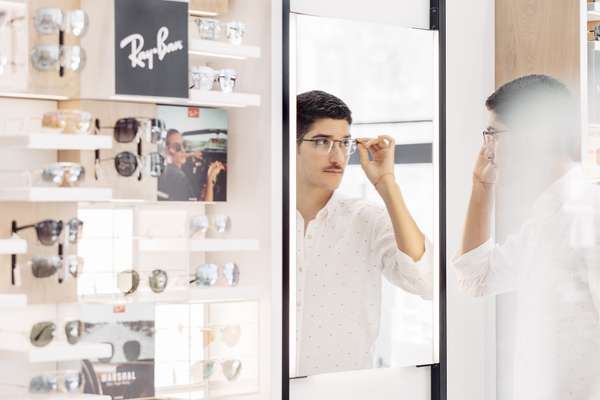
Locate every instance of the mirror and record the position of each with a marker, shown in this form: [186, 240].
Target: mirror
[363, 219]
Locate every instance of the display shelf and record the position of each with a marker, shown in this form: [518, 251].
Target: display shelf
[16, 347]
[56, 141]
[197, 245]
[211, 48]
[33, 96]
[593, 15]
[191, 295]
[216, 294]
[13, 300]
[198, 98]
[55, 194]
[13, 246]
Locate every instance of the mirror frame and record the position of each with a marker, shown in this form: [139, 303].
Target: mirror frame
[437, 23]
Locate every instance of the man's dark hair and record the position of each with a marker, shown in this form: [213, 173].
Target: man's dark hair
[170, 133]
[538, 101]
[315, 105]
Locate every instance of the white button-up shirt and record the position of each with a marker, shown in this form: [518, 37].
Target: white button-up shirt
[347, 249]
[553, 263]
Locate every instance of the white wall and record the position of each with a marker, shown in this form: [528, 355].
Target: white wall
[470, 79]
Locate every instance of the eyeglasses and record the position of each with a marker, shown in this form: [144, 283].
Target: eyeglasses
[42, 333]
[235, 32]
[207, 275]
[50, 20]
[49, 230]
[206, 369]
[129, 281]
[45, 267]
[63, 174]
[201, 223]
[230, 335]
[325, 145]
[68, 121]
[132, 350]
[127, 130]
[491, 133]
[203, 78]
[210, 29]
[126, 164]
[47, 57]
[65, 382]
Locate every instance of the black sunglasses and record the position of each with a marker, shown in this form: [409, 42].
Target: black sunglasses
[48, 231]
[127, 130]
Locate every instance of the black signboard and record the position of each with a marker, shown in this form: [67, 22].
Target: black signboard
[151, 48]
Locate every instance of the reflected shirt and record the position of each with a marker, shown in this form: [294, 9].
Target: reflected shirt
[340, 262]
[553, 264]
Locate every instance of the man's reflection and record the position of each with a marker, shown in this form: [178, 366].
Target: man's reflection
[529, 160]
[344, 245]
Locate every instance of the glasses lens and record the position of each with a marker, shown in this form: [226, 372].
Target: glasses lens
[199, 223]
[72, 58]
[128, 281]
[73, 330]
[45, 57]
[48, 20]
[203, 78]
[232, 273]
[157, 164]
[44, 267]
[126, 163]
[208, 369]
[206, 275]
[158, 280]
[125, 130]
[42, 333]
[157, 130]
[235, 32]
[43, 384]
[75, 227]
[208, 29]
[231, 335]
[73, 265]
[73, 381]
[48, 231]
[132, 350]
[63, 174]
[106, 360]
[77, 22]
[221, 223]
[231, 369]
[227, 80]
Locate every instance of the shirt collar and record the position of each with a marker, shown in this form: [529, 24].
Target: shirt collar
[564, 192]
[330, 207]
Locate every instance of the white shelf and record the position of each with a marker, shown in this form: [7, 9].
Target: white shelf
[59, 396]
[224, 245]
[215, 294]
[55, 194]
[13, 246]
[13, 300]
[17, 347]
[197, 245]
[56, 141]
[593, 16]
[198, 98]
[211, 48]
[33, 96]
[183, 296]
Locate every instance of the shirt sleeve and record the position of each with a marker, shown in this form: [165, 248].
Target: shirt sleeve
[399, 268]
[491, 268]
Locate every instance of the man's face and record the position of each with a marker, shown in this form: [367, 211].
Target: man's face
[314, 165]
[175, 149]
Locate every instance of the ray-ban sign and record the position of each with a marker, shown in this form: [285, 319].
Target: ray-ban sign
[151, 48]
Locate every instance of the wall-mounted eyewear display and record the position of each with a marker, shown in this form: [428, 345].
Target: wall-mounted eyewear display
[63, 174]
[48, 231]
[42, 333]
[127, 164]
[60, 382]
[50, 20]
[206, 369]
[68, 121]
[47, 266]
[207, 275]
[129, 281]
[201, 223]
[47, 57]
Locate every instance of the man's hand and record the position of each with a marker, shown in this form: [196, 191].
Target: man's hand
[214, 170]
[381, 149]
[485, 167]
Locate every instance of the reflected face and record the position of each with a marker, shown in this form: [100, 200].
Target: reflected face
[317, 167]
[176, 150]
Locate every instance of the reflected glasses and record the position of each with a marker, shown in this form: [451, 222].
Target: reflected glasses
[132, 349]
[63, 174]
[46, 57]
[129, 281]
[49, 230]
[70, 382]
[491, 133]
[230, 335]
[68, 121]
[201, 224]
[231, 369]
[42, 333]
[325, 145]
[45, 267]
[49, 20]
[207, 275]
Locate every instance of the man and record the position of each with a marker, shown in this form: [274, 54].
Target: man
[528, 161]
[345, 246]
[173, 184]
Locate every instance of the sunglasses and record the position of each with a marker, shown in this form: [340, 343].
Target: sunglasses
[230, 335]
[231, 369]
[45, 267]
[68, 121]
[48, 57]
[129, 281]
[63, 174]
[65, 382]
[49, 230]
[130, 129]
[42, 333]
[127, 163]
[207, 275]
[50, 20]
[201, 223]
[132, 349]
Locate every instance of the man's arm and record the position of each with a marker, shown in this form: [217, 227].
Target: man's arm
[380, 171]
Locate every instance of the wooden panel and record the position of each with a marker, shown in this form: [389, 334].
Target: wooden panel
[538, 36]
[210, 6]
